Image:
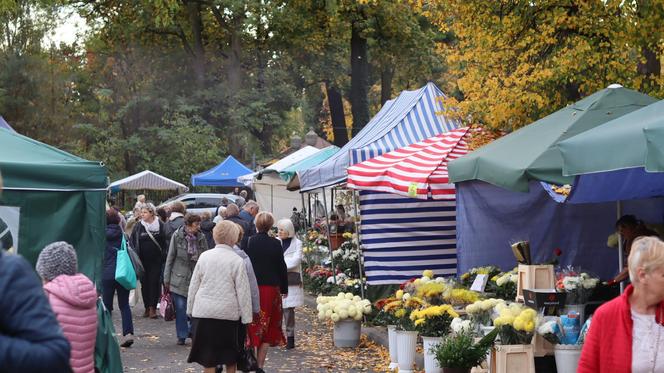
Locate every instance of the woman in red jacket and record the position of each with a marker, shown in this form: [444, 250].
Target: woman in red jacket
[627, 333]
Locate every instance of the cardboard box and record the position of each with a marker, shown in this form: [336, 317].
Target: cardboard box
[548, 299]
[534, 277]
[512, 359]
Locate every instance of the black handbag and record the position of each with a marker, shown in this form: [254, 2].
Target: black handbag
[294, 278]
[246, 361]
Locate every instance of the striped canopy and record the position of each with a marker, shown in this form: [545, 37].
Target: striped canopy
[146, 180]
[418, 170]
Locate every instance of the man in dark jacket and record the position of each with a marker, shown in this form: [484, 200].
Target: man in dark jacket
[175, 221]
[232, 214]
[30, 337]
[248, 214]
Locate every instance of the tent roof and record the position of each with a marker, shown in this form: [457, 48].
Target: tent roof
[146, 180]
[412, 116]
[29, 164]
[5, 125]
[417, 170]
[530, 153]
[223, 174]
[281, 164]
[311, 161]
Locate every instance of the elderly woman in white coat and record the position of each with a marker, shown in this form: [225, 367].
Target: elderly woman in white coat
[292, 247]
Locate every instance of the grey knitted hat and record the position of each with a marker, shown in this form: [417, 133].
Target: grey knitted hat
[58, 258]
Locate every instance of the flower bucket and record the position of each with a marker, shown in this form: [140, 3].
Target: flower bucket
[347, 333]
[578, 308]
[406, 342]
[430, 362]
[567, 357]
[392, 339]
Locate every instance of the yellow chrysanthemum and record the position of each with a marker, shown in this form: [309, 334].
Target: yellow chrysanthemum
[419, 322]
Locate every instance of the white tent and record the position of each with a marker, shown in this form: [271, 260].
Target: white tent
[147, 180]
[270, 188]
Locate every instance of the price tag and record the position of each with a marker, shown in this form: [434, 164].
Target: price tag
[412, 190]
[480, 283]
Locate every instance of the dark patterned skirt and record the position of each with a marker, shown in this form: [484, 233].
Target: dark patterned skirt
[216, 342]
[267, 329]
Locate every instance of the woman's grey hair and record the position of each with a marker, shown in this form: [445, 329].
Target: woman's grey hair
[286, 225]
[646, 253]
[150, 207]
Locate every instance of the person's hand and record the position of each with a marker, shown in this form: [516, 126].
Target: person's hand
[611, 282]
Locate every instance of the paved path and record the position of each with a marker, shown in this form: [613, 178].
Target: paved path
[155, 349]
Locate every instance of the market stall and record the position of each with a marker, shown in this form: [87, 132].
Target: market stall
[407, 208]
[516, 207]
[224, 174]
[50, 195]
[146, 180]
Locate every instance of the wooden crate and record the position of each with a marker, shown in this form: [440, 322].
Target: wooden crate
[541, 347]
[534, 277]
[512, 359]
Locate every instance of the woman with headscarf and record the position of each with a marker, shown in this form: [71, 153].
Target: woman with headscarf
[148, 239]
[292, 248]
[186, 246]
[219, 301]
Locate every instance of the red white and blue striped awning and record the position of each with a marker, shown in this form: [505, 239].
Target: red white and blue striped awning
[417, 171]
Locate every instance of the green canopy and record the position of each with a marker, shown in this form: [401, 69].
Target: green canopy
[531, 152]
[50, 195]
[618, 144]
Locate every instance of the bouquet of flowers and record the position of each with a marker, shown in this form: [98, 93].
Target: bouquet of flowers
[468, 277]
[577, 284]
[504, 284]
[460, 297]
[342, 306]
[480, 312]
[550, 330]
[404, 305]
[460, 325]
[433, 321]
[515, 324]
[347, 257]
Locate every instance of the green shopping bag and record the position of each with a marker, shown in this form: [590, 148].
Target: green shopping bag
[124, 269]
[107, 350]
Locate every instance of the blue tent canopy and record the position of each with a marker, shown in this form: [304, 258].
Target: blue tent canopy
[223, 174]
[411, 117]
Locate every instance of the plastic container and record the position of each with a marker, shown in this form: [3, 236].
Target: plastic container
[392, 345]
[347, 333]
[430, 362]
[406, 342]
[567, 357]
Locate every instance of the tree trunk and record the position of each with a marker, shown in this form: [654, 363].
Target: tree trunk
[194, 11]
[337, 115]
[235, 58]
[359, 81]
[386, 83]
[652, 67]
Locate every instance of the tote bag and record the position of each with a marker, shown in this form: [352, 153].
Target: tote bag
[107, 350]
[124, 268]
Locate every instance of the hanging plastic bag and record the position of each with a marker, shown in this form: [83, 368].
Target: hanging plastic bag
[107, 350]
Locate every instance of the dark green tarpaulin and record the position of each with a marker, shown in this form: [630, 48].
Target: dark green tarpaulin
[61, 197]
[531, 153]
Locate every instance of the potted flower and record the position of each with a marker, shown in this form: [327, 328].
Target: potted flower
[386, 316]
[458, 352]
[406, 333]
[346, 311]
[515, 324]
[579, 287]
[432, 323]
[504, 284]
[481, 311]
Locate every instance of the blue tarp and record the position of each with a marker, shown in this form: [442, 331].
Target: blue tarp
[490, 218]
[620, 185]
[223, 174]
[411, 117]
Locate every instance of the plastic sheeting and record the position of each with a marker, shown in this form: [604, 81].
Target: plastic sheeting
[490, 218]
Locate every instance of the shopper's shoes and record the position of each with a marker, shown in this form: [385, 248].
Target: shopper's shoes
[153, 313]
[181, 341]
[260, 370]
[127, 340]
[290, 344]
[147, 312]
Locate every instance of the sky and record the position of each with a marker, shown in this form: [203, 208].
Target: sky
[70, 26]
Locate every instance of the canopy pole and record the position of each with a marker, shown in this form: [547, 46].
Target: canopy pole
[359, 246]
[329, 240]
[302, 216]
[272, 198]
[621, 264]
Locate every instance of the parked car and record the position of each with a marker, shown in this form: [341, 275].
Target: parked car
[198, 202]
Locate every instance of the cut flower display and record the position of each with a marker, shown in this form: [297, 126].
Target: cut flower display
[481, 311]
[515, 323]
[341, 307]
[433, 321]
[578, 285]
